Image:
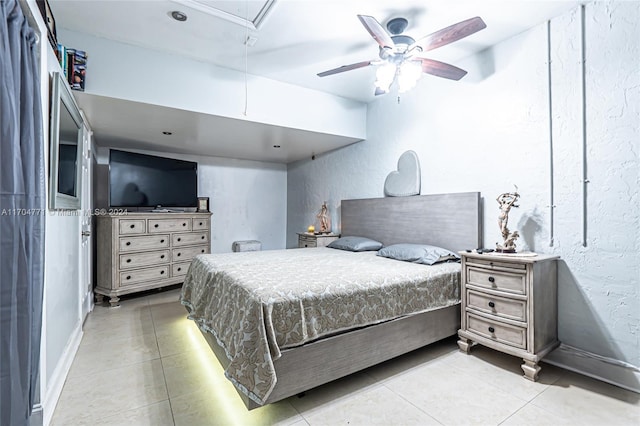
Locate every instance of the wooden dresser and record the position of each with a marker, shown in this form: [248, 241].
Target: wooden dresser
[141, 251]
[315, 240]
[509, 303]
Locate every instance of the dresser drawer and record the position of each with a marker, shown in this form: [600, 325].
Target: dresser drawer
[495, 305]
[200, 224]
[189, 239]
[147, 274]
[497, 280]
[143, 243]
[304, 242]
[187, 253]
[169, 225]
[135, 260]
[179, 269]
[132, 226]
[497, 331]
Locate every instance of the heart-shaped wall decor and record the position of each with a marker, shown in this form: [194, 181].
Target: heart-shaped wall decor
[406, 180]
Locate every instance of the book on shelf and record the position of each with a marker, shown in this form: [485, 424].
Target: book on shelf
[62, 58]
[68, 71]
[79, 70]
[73, 63]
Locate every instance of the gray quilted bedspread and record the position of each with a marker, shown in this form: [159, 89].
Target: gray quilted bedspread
[259, 303]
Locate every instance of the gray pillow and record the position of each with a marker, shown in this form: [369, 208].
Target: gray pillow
[355, 244]
[418, 253]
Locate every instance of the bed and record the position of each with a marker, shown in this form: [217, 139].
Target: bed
[276, 338]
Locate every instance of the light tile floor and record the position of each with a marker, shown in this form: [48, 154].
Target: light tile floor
[144, 363]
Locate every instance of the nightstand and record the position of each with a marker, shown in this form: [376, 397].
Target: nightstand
[510, 304]
[315, 240]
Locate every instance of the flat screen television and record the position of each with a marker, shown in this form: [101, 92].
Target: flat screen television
[140, 180]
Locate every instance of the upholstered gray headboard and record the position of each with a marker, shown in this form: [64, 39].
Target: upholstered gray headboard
[452, 221]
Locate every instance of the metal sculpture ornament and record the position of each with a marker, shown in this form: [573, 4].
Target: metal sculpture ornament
[506, 201]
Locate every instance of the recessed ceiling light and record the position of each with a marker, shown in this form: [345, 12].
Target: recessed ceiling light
[179, 16]
[276, 146]
[167, 133]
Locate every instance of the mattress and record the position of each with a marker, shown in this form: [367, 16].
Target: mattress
[257, 304]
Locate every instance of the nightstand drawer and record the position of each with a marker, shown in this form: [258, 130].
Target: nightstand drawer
[135, 260]
[304, 242]
[495, 305]
[497, 280]
[497, 331]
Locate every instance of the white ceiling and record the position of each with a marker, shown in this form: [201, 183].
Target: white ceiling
[207, 134]
[295, 40]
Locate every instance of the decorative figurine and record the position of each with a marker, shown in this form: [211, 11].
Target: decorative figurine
[506, 201]
[323, 218]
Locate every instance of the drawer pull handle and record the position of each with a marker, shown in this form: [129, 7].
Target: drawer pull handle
[179, 239]
[128, 243]
[491, 329]
[492, 305]
[202, 251]
[162, 241]
[202, 238]
[179, 269]
[156, 225]
[492, 280]
[161, 272]
[179, 254]
[128, 260]
[132, 226]
[128, 277]
[200, 223]
[162, 256]
[184, 224]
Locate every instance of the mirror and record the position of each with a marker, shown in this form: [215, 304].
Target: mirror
[65, 151]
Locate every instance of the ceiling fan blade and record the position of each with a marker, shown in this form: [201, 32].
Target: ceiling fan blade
[450, 34]
[440, 69]
[378, 33]
[344, 68]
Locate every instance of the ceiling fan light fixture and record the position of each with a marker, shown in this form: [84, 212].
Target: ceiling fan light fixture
[408, 75]
[385, 75]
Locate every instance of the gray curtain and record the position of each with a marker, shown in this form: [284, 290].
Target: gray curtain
[22, 207]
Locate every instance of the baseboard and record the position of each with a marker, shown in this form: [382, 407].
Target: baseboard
[87, 305]
[609, 370]
[55, 384]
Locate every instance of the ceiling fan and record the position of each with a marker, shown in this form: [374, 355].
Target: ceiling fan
[401, 56]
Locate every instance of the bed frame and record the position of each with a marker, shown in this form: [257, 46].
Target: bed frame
[452, 221]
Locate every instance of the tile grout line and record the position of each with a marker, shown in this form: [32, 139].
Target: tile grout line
[412, 404]
[164, 377]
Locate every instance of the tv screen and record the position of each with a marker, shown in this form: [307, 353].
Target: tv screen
[140, 180]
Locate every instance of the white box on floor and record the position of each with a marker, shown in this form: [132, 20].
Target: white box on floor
[247, 245]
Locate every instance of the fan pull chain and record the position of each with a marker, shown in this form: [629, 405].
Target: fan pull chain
[246, 57]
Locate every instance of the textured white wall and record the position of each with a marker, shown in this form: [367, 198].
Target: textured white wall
[62, 286]
[247, 198]
[491, 130]
[124, 71]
